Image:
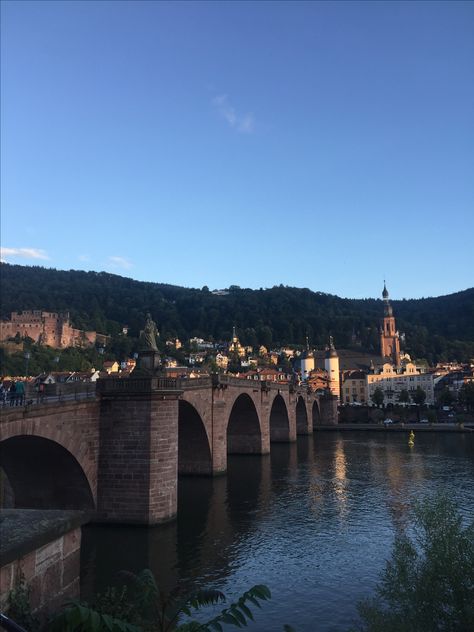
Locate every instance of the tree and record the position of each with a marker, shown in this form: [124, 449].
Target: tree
[235, 365]
[428, 584]
[418, 397]
[378, 397]
[404, 397]
[445, 398]
[141, 606]
[466, 395]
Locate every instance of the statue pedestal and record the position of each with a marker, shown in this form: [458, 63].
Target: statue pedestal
[149, 360]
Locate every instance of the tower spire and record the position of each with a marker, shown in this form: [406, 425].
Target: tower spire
[389, 338]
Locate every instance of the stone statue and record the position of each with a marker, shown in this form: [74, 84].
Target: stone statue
[148, 335]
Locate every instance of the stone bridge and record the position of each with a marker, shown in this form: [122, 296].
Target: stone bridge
[119, 455]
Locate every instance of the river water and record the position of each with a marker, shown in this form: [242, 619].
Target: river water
[314, 521]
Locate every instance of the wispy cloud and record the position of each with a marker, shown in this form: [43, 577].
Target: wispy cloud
[243, 123]
[84, 258]
[23, 253]
[120, 262]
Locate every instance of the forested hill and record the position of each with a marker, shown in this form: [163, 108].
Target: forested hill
[435, 328]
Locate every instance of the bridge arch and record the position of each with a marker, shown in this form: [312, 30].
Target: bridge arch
[43, 474]
[244, 435]
[279, 420]
[194, 451]
[302, 426]
[316, 414]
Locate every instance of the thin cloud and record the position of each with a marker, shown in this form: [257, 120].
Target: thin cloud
[23, 253]
[120, 262]
[84, 258]
[243, 123]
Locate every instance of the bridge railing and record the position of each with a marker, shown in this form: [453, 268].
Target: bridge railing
[136, 384]
[186, 384]
[38, 399]
[250, 383]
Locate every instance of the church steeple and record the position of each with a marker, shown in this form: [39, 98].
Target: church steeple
[389, 338]
[387, 308]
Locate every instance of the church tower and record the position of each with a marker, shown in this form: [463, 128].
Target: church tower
[331, 364]
[389, 338]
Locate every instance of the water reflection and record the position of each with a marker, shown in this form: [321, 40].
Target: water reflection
[314, 521]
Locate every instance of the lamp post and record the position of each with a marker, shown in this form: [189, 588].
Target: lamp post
[27, 357]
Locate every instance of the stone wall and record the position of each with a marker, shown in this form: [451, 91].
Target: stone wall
[43, 549]
[329, 410]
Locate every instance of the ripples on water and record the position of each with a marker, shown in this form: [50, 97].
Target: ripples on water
[314, 521]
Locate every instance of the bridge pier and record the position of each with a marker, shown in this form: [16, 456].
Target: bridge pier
[219, 430]
[138, 451]
[328, 408]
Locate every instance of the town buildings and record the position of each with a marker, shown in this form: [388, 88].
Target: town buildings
[391, 380]
[391, 375]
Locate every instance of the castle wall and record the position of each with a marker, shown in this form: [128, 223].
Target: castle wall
[49, 328]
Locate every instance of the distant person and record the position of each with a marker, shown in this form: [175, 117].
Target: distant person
[12, 393]
[40, 392]
[3, 394]
[20, 393]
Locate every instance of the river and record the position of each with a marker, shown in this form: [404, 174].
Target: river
[314, 521]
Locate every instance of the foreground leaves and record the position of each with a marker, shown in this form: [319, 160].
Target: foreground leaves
[142, 607]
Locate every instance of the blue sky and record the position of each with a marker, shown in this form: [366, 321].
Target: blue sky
[314, 144]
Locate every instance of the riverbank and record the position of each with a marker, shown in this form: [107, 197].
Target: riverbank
[398, 427]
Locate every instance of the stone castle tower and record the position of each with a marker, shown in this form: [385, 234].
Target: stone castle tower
[389, 337]
[331, 364]
[307, 361]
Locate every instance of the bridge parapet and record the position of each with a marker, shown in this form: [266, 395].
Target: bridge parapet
[227, 380]
[113, 385]
[187, 384]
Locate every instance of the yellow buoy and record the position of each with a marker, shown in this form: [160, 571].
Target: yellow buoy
[411, 438]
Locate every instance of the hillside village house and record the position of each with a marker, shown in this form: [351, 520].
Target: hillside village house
[354, 387]
[222, 361]
[111, 366]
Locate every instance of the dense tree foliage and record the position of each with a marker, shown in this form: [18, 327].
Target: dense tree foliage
[428, 584]
[436, 328]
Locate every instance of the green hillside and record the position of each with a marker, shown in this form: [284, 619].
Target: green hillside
[435, 328]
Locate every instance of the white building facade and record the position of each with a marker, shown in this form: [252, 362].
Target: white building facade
[392, 381]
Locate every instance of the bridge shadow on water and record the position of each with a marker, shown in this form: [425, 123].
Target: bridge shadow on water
[213, 514]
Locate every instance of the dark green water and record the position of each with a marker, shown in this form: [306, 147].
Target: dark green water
[314, 521]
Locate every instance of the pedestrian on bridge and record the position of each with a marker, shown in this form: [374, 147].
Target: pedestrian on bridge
[3, 394]
[12, 393]
[20, 393]
[40, 387]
